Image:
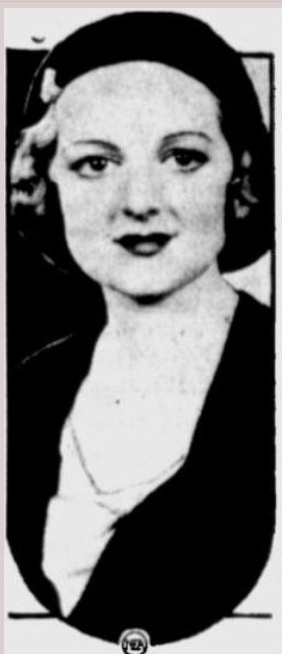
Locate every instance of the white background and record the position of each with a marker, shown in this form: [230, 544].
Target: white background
[248, 30]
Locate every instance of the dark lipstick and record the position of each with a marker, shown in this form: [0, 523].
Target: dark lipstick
[144, 245]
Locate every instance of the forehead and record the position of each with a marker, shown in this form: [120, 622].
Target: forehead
[136, 91]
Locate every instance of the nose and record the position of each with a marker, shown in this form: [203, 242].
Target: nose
[141, 196]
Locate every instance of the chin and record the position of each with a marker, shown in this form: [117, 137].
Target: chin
[150, 286]
[142, 295]
[149, 294]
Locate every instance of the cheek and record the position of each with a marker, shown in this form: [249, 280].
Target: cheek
[200, 202]
[85, 210]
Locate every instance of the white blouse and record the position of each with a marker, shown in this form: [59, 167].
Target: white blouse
[81, 520]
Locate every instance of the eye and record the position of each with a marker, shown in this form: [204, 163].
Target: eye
[186, 159]
[92, 165]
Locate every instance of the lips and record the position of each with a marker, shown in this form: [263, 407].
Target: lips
[144, 245]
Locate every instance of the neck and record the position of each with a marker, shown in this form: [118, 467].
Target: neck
[135, 321]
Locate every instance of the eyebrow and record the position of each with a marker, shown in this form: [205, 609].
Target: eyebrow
[171, 138]
[111, 147]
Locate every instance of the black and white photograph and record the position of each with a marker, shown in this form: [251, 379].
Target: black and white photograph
[141, 228]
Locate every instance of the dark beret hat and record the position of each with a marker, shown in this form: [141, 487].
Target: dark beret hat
[177, 40]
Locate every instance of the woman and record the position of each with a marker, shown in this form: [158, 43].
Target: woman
[141, 490]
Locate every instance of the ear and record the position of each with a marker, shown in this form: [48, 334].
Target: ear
[243, 195]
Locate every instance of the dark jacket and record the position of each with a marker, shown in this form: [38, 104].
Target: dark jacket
[192, 550]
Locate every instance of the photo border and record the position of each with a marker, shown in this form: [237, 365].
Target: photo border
[276, 276]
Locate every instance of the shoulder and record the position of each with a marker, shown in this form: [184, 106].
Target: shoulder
[78, 316]
[62, 355]
[249, 353]
[42, 366]
[47, 379]
[252, 309]
[250, 360]
[254, 322]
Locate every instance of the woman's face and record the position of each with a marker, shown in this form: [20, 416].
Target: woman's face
[142, 169]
